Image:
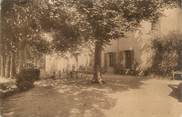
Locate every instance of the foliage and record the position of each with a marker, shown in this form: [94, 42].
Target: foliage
[57, 18]
[73, 22]
[119, 69]
[168, 54]
[76, 21]
[26, 78]
[109, 20]
[20, 26]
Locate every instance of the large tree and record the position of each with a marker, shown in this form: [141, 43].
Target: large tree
[74, 22]
[21, 34]
[99, 21]
[111, 19]
[59, 19]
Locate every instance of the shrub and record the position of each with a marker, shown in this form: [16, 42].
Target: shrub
[118, 69]
[26, 78]
[168, 54]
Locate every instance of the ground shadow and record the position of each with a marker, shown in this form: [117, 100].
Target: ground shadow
[175, 93]
[68, 98]
[112, 82]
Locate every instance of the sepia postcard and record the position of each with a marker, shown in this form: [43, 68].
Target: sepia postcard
[91, 58]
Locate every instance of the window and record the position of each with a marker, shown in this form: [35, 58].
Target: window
[112, 59]
[129, 58]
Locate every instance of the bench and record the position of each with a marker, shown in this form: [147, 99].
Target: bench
[174, 73]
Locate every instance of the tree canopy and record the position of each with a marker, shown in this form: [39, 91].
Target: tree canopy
[97, 20]
[74, 22]
[20, 25]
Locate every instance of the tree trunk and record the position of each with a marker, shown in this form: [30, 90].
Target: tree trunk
[9, 66]
[21, 56]
[21, 59]
[3, 56]
[0, 65]
[13, 67]
[17, 58]
[4, 65]
[1, 49]
[97, 77]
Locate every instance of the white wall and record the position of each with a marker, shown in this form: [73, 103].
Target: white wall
[171, 21]
[140, 41]
[56, 63]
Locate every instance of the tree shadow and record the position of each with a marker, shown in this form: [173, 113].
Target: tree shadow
[95, 97]
[115, 84]
[69, 98]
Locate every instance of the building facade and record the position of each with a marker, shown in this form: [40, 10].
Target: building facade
[130, 52]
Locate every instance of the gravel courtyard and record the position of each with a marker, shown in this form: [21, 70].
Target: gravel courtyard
[121, 96]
